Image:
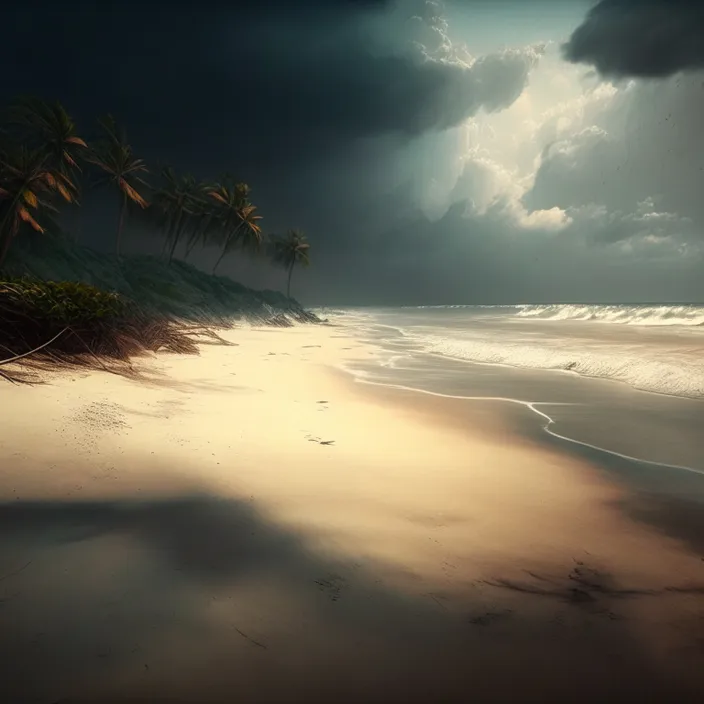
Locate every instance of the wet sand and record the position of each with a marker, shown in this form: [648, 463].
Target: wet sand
[252, 525]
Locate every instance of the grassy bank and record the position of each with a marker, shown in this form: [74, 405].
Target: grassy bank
[176, 289]
[74, 323]
[68, 304]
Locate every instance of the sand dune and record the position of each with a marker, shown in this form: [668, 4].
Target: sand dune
[251, 525]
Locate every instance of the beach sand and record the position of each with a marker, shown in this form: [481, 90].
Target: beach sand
[251, 525]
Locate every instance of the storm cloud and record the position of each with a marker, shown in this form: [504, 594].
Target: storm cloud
[640, 38]
[319, 71]
[581, 191]
[280, 93]
[422, 171]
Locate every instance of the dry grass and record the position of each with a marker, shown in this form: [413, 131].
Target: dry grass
[45, 325]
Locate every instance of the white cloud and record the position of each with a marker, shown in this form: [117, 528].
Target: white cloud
[586, 159]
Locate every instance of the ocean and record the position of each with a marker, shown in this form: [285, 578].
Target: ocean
[624, 382]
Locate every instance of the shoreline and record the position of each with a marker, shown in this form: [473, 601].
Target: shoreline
[532, 407]
[322, 540]
[578, 401]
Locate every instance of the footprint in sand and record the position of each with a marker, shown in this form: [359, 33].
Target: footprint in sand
[311, 438]
[332, 585]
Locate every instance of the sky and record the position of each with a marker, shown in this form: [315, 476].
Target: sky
[465, 151]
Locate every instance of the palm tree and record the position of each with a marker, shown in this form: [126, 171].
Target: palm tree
[236, 222]
[178, 203]
[39, 154]
[289, 250]
[27, 184]
[113, 155]
[202, 222]
[47, 127]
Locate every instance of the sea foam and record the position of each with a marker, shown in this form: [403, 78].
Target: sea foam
[642, 368]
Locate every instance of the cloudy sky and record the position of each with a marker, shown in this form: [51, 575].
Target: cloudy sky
[465, 151]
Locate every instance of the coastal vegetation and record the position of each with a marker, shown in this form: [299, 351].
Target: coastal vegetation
[113, 155]
[289, 250]
[63, 323]
[65, 303]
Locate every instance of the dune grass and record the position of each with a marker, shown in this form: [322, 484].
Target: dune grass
[68, 323]
[65, 304]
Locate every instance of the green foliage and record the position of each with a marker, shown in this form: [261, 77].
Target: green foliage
[114, 157]
[119, 168]
[39, 149]
[180, 207]
[180, 289]
[48, 127]
[291, 249]
[42, 157]
[235, 219]
[61, 302]
[82, 324]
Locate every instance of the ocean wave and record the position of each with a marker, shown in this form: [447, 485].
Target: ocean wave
[648, 370]
[668, 363]
[690, 314]
[656, 315]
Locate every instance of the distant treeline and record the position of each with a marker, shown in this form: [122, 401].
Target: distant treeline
[44, 162]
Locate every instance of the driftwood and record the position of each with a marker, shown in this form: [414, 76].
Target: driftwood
[36, 349]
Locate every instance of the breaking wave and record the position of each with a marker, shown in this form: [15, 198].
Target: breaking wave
[656, 315]
[643, 348]
[646, 369]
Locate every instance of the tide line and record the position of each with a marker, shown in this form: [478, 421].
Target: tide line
[532, 406]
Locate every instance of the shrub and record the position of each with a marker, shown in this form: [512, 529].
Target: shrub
[90, 323]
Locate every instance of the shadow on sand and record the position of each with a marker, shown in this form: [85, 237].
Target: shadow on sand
[201, 599]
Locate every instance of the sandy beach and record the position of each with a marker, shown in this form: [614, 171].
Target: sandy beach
[253, 525]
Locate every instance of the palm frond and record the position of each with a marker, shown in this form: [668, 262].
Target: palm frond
[293, 247]
[30, 198]
[132, 194]
[25, 215]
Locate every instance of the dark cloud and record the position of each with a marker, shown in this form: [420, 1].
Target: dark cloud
[484, 258]
[338, 115]
[640, 38]
[315, 103]
[264, 7]
[248, 66]
[623, 166]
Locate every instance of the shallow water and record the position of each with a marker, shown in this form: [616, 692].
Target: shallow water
[622, 382]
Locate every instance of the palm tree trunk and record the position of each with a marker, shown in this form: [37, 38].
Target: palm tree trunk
[198, 235]
[178, 233]
[170, 229]
[120, 223]
[290, 272]
[173, 246]
[190, 247]
[165, 245]
[222, 254]
[8, 230]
